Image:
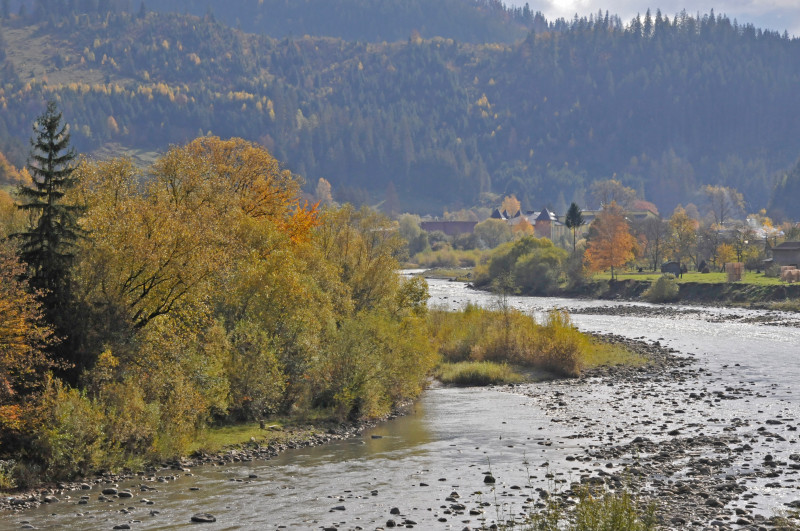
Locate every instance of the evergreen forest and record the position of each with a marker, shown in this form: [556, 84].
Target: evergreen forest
[448, 104]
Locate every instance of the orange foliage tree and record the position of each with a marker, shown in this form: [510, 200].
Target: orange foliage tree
[22, 341]
[611, 243]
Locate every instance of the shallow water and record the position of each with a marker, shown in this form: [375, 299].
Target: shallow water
[522, 435]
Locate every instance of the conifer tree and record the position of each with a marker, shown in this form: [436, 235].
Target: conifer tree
[573, 221]
[47, 246]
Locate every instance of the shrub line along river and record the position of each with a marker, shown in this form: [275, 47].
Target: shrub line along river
[712, 437]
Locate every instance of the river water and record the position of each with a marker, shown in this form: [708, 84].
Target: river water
[531, 438]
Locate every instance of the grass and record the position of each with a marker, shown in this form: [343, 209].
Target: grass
[757, 279]
[215, 439]
[595, 511]
[791, 305]
[600, 354]
[477, 373]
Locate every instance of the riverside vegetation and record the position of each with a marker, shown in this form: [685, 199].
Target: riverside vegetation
[203, 293]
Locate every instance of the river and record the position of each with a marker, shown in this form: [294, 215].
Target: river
[532, 438]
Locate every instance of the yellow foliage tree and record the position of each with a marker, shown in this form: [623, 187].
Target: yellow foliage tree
[153, 246]
[683, 235]
[510, 205]
[611, 244]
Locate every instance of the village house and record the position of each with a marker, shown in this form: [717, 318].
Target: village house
[785, 254]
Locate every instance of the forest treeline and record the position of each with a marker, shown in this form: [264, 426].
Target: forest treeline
[665, 104]
[353, 20]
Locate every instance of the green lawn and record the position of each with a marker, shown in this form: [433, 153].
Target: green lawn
[757, 279]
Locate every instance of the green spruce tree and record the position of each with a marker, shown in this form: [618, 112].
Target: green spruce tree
[573, 221]
[48, 245]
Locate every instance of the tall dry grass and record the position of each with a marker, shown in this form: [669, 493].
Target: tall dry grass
[477, 334]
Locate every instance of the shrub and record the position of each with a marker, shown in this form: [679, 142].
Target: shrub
[69, 441]
[372, 362]
[7, 481]
[257, 381]
[665, 289]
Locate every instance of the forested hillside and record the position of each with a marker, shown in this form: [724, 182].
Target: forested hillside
[473, 21]
[665, 103]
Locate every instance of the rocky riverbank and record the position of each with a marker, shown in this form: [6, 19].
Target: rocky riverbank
[105, 487]
[679, 442]
[770, 318]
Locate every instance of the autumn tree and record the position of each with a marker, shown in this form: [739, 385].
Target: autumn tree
[23, 342]
[653, 234]
[510, 205]
[611, 243]
[683, 235]
[725, 203]
[574, 220]
[522, 228]
[156, 245]
[323, 192]
[12, 219]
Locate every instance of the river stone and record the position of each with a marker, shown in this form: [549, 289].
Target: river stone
[391, 523]
[394, 510]
[121, 526]
[203, 518]
[488, 479]
[110, 491]
[125, 494]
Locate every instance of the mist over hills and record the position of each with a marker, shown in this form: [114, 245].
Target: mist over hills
[663, 104]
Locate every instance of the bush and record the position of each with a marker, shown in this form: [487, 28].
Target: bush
[372, 362]
[70, 438]
[665, 289]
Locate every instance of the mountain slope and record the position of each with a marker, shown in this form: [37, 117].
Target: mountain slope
[666, 105]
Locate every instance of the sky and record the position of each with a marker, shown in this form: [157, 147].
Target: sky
[777, 15]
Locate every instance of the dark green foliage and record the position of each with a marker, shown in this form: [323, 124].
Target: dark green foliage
[48, 244]
[573, 221]
[356, 20]
[785, 201]
[529, 265]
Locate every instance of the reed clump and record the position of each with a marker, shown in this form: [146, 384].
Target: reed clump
[510, 336]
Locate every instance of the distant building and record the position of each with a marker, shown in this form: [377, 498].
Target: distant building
[785, 254]
[544, 223]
